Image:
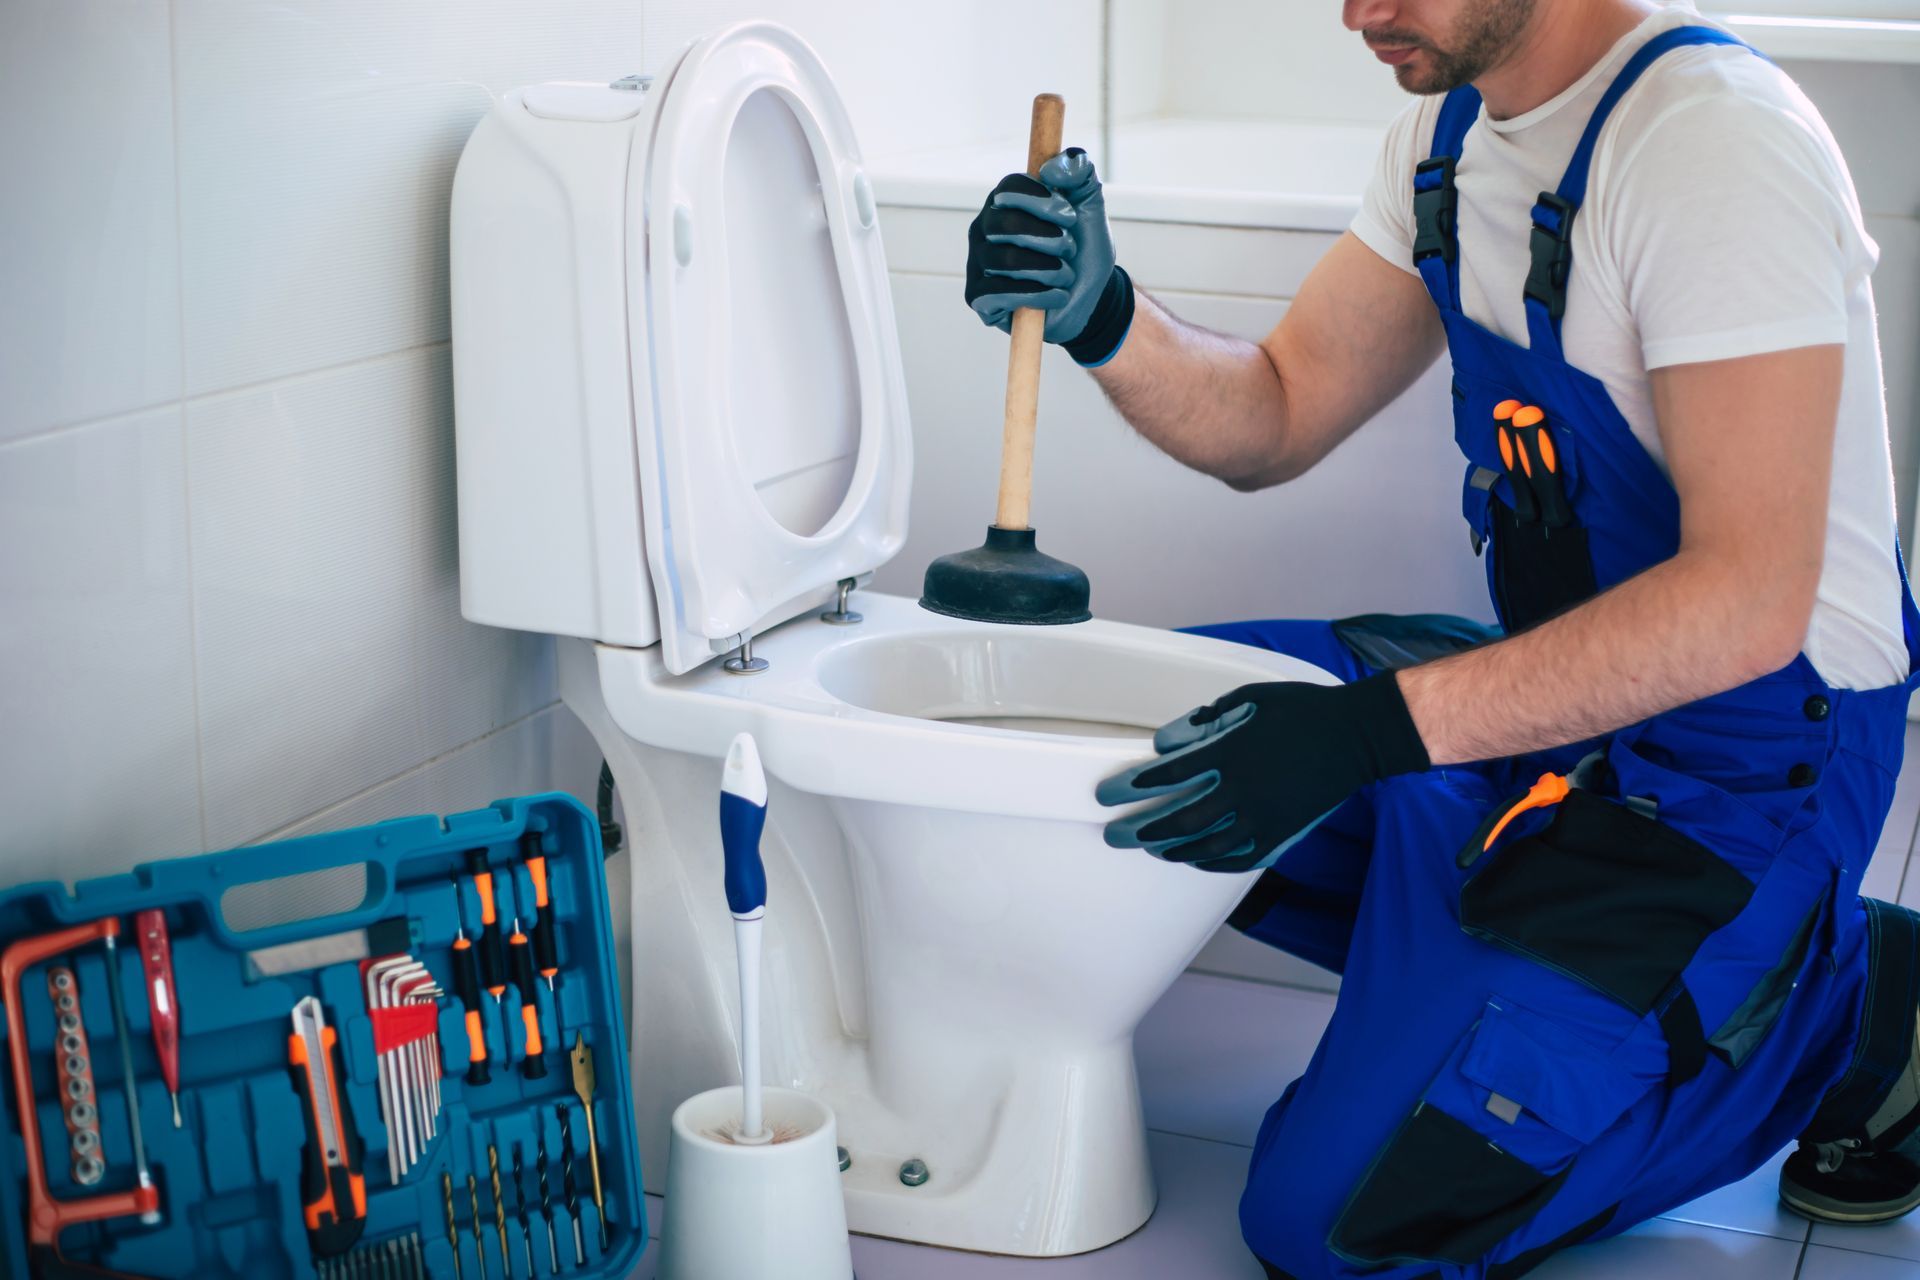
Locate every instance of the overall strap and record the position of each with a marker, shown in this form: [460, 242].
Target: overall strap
[1436, 241]
[1552, 239]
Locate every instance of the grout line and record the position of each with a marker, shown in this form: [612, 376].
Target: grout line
[1264, 982]
[308, 375]
[1201, 1137]
[186, 447]
[87, 424]
[181, 402]
[410, 771]
[1799, 1263]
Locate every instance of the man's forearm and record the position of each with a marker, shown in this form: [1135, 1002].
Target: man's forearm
[1685, 629]
[1208, 400]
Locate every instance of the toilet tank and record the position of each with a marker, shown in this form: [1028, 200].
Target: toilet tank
[550, 525]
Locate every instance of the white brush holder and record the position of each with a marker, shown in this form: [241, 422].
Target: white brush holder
[773, 1211]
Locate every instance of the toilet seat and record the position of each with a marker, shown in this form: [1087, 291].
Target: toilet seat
[772, 442]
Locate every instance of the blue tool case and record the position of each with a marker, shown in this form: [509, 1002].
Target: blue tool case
[348, 1105]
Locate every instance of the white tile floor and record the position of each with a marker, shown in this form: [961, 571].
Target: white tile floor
[1216, 1051]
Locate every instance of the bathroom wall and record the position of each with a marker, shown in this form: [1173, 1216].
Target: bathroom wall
[228, 596]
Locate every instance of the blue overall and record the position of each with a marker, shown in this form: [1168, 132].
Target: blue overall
[1624, 998]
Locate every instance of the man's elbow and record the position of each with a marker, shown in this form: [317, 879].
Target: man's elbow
[1776, 632]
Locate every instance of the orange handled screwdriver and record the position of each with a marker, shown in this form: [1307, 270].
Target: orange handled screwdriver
[544, 953]
[533, 1066]
[466, 986]
[163, 1000]
[1519, 466]
[332, 1190]
[1549, 487]
[493, 956]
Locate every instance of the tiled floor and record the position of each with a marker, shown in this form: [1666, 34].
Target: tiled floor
[1216, 1051]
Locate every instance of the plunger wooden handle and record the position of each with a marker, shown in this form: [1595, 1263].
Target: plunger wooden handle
[1029, 335]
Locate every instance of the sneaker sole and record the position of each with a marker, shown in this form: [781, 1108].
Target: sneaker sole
[1820, 1209]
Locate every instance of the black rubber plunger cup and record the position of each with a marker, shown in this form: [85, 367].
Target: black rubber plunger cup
[1007, 578]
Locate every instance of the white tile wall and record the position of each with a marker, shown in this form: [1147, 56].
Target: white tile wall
[89, 268]
[232, 610]
[97, 749]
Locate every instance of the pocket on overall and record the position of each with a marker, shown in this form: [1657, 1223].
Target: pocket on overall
[1490, 1143]
[1607, 896]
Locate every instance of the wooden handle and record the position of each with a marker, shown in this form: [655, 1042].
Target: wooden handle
[1029, 336]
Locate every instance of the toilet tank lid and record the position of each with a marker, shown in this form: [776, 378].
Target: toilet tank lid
[775, 451]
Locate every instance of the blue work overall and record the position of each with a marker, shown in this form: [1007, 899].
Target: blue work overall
[1630, 991]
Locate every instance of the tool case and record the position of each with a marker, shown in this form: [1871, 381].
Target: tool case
[314, 1062]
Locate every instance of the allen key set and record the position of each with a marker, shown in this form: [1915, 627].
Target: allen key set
[346, 1063]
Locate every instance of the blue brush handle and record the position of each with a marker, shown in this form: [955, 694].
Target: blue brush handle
[743, 816]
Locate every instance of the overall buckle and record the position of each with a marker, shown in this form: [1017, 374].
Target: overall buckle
[1435, 207]
[1552, 251]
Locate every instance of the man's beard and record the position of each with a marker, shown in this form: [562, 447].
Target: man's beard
[1478, 40]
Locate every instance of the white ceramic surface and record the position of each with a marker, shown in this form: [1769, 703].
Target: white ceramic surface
[766, 1212]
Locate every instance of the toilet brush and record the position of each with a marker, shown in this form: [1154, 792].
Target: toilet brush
[753, 1174]
[743, 815]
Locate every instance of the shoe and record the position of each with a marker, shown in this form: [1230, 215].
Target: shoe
[1839, 1182]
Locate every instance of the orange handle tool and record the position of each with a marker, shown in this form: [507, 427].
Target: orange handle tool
[1513, 452]
[1549, 486]
[46, 1216]
[533, 1066]
[1551, 789]
[466, 985]
[333, 1191]
[544, 954]
[493, 956]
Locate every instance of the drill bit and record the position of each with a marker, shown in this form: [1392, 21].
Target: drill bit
[453, 1227]
[546, 1200]
[520, 1200]
[583, 1085]
[479, 1245]
[566, 1183]
[499, 1212]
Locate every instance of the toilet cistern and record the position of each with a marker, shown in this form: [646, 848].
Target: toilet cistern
[1007, 578]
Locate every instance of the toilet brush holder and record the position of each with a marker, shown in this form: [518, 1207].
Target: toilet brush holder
[772, 1210]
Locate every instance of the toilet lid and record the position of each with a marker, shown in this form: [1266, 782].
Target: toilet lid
[774, 445]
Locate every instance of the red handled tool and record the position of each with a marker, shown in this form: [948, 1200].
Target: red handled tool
[163, 1001]
[333, 1191]
[46, 1216]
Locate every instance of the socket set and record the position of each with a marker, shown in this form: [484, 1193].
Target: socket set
[432, 1083]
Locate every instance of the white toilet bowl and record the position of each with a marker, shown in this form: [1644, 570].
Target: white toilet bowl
[681, 432]
[956, 961]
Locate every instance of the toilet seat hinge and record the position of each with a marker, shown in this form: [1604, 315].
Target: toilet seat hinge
[743, 663]
[840, 615]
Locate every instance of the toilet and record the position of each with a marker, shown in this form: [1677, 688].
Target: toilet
[683, 448]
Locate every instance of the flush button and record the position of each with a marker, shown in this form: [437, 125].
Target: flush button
[863, 205]
[1817, 707]
[1801, 775]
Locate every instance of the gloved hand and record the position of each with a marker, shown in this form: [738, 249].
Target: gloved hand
[1045, 244]
[1246, 776]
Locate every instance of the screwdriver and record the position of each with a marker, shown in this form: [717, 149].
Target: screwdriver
[534, 1066]
[493, 958]
[466, 986]
[1548, 486]
[1519, 466]
[544, 951]
[156, 960]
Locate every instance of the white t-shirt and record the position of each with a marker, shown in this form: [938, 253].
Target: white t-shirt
[1720, 221]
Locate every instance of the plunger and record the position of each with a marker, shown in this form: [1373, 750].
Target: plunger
[1008, 578]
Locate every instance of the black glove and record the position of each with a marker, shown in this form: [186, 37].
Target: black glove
[1046, 244]
[1246, 776]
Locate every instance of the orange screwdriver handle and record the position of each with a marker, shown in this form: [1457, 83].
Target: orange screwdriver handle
[545, 956]
[493, 956]
[46, 1216]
